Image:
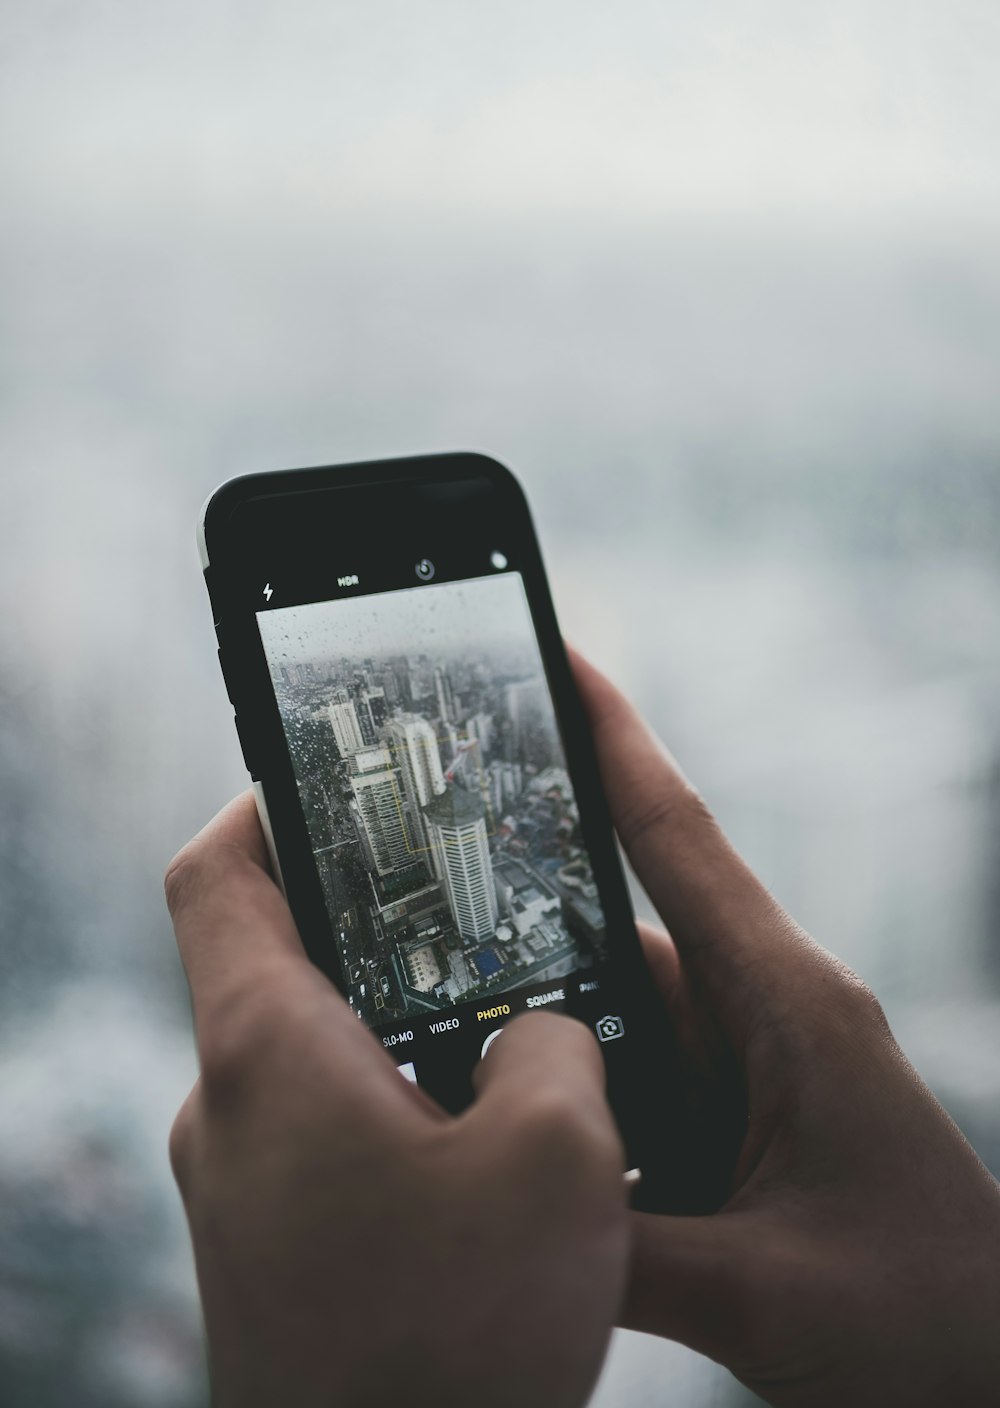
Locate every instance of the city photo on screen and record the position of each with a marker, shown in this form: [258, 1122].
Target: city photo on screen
[434, 786]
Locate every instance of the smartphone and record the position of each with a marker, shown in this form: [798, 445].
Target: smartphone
[425, 776]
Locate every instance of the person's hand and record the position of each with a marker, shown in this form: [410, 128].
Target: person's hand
[856, 1257]
[355, 1245]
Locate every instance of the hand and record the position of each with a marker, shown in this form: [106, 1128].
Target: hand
[856, 1258]
[355, 1245]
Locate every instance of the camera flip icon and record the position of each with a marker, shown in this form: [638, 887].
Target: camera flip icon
[609, 1028]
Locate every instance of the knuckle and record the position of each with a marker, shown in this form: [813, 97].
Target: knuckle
[225, 1055]
[679, 807]
[180, 1142]
[829, 1008]
[223, 1059]
[852, 999]
[240, 1043]
[842, 1012]
[864, 998]
[200, 868]
[181, 878]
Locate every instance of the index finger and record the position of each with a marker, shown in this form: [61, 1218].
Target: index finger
[732, 935]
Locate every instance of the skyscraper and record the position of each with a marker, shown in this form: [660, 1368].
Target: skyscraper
[480, 727]
[457, 830]
[505, 781]
[346, 727]
[415, 753]
[531, 721]
[369, 708]
[445, 695]
[375, 785]
[375, 702]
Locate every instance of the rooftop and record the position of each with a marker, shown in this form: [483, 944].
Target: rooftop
[454, 807]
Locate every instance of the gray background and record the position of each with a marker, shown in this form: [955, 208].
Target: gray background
[718, 280]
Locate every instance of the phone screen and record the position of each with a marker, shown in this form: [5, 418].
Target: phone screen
[440, 812]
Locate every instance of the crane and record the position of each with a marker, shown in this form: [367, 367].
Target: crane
[465, 746]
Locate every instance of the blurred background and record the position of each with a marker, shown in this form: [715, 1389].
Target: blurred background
[719, 281]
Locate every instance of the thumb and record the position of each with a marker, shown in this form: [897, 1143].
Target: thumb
[234, 929]
[542, 1081]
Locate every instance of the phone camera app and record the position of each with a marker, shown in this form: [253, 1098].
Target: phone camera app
[442, 819]
[609, 1028]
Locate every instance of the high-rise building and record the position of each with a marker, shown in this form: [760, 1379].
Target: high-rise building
[399, 670]
[531, 722]
[505, 782]
[480, 727]
[415, 753]
[373, 702]
[365, 722]
[375, 784]
[369, 707]
[346, 725]
[456, 826]
[445, 695]
[450, 742]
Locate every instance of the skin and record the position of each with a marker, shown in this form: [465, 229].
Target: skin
[856, 1256]
[356, 1246]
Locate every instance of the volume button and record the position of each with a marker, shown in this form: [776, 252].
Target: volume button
[209, 583]
[225, 677]
[243, 745]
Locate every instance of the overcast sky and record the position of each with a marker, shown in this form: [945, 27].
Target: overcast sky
[139, 108]
[478, 619]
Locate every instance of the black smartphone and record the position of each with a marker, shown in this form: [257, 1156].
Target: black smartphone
[425, 776]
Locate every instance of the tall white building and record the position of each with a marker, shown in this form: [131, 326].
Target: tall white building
[457, 829]
[375, 784]
[505, 782]
[529, 709]
[416, 754]
[480, 727]
[370, 709]
[445, 695]
[346, 726]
